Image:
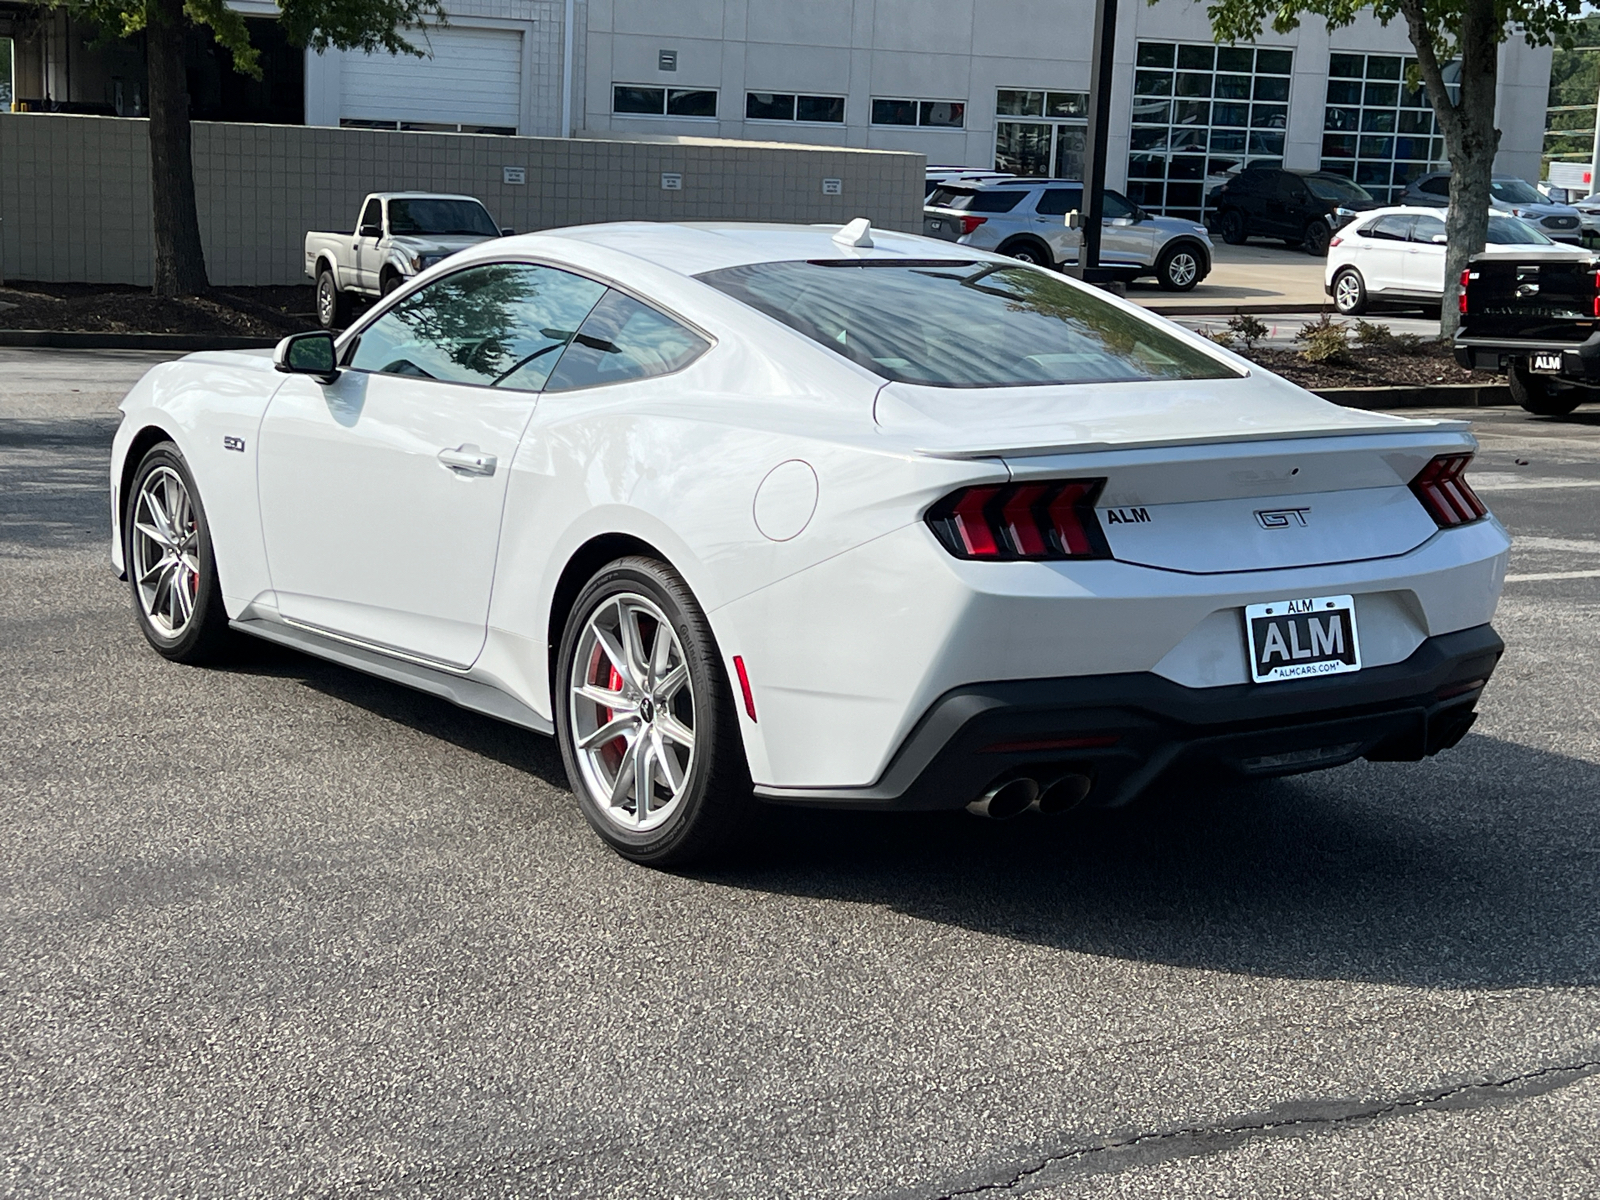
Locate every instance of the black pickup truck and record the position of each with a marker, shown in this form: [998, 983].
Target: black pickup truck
[1537, 323]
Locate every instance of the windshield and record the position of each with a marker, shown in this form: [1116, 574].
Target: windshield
[1332, 187]
[1514, 191]
[1509, 231]
[965, 324]
[440, 217]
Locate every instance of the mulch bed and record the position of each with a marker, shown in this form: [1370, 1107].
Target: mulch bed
[1428, 365]
[114, 308]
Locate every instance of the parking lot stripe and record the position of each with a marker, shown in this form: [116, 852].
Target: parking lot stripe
[1534, 578]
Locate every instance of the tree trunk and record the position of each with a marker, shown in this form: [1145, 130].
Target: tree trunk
[180, 260]
[1470, 138]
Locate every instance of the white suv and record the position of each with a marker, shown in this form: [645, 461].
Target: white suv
[1026, 219]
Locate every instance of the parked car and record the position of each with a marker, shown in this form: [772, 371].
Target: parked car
[760, 523]
[1588, 210]
[934, 176]
[1025, 219]
[1304, 208]
[1397, 254]
[1533, 320]
[1507, 194]
[397, 235]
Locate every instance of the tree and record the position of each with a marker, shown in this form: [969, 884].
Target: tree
[180, 264]
[1441, 31]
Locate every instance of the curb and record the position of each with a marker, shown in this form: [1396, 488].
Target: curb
[74, 340]
[1447, 395]
[1234, 310]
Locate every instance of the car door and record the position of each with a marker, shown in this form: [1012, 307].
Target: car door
[1383, 253]
[1050, 221]
[1291, 206]
[1422, 273]
[368, 234]
[1125, 240]
[381, 492]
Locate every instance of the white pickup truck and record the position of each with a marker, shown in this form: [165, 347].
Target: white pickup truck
[399, 234]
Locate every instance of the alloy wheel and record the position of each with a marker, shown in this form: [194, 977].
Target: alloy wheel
[327, 300]
[633, 712]
[166, 552]
[1182, 269]
[1347, 293]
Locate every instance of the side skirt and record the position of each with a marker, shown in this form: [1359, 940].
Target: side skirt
[465, 693]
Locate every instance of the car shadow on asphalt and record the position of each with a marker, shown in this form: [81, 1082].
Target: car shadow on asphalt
[1480, 869]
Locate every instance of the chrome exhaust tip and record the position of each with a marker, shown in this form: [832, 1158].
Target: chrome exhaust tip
[1005, 799]
[1062, 795]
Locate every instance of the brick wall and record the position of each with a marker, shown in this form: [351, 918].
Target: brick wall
[75, 191]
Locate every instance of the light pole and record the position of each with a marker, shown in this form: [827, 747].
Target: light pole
[1094, 184]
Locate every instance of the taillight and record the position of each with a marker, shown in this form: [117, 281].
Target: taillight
[1461, 300]
[1597, 293]
[1335, 240]
[1049, 519]
[968, 224]
[1446, 495]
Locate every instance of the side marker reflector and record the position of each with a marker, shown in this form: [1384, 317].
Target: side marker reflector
[744, 686]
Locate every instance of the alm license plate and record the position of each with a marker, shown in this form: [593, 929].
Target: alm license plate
[1547, 363]
[936, 225]
[1302, 638]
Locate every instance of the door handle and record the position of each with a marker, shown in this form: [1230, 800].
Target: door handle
[468, 460]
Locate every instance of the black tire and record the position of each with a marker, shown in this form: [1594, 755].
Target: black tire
[715, 801]
[1535, 394]
[204, 637]
[1350, 292]
[1179, 268]
[333, 305]
[1235, 231]
[1317, 237]
[1028, 250]
[388, 283]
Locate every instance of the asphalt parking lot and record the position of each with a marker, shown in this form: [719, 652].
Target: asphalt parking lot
[282, 930]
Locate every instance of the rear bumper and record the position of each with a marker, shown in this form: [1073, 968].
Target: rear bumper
[1125, 731]
[1580, 363]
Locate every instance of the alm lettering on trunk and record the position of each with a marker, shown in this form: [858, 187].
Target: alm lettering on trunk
[1128, 516]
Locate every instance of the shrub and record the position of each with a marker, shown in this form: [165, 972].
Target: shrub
[1322, 339]
[1247, 329]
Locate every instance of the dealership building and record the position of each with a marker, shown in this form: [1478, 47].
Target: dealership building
[982, 83]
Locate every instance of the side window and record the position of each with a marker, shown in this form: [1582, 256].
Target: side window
[623, 340]
[1439, 186]
[1429, 230]
[1391, 229]
[499, 325]
[1114, 206]
[1291, 187]
[1058, 202]
[373, 214]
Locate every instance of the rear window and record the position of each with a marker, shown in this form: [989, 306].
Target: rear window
[965, 324]
[972, 200]
[1509, 231]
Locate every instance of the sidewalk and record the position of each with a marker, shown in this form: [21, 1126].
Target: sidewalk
[1259, 277]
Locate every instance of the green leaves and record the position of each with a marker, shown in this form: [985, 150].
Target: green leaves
[1540, 22]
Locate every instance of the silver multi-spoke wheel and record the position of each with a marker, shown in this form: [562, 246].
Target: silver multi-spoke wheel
[633, 712]
[327, 300]
[1347, 292]
[1182, 269]
[166, 552]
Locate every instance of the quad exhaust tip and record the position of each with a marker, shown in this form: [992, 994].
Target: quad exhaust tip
[1012, 797]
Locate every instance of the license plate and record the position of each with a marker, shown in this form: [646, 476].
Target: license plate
[935, 225]
[1302, 638]
[1548, 363]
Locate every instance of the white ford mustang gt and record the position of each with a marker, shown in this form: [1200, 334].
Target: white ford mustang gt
[820, 516]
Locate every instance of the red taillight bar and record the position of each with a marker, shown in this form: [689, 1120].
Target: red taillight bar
[1597, 293]
[1049, 519]
[968, 224]
[1446, 495]
[1461, 300]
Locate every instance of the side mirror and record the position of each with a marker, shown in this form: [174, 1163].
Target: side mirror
[308, 354]
[1119, 221]
[1440, 239]
[371, 231]
[507, 232]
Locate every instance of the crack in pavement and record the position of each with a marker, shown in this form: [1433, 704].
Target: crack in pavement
[1293, 1119]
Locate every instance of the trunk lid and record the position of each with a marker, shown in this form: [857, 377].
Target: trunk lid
[1209, 477]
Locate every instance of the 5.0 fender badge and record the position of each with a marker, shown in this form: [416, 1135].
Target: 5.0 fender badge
[233, 443]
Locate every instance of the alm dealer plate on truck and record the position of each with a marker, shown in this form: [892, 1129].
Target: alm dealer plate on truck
[1300, 639]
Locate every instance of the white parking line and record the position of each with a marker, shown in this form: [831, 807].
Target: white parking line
[1537, 576]
[1494, 481]
[1555, 545]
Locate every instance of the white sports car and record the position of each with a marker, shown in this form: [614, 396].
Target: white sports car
[821, 516]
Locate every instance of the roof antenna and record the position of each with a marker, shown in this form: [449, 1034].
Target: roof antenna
[857, 233]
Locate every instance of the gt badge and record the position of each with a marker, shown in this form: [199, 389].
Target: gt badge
[233, 443]
[1281, 518]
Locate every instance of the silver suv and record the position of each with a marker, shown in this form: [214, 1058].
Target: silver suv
[1026, 218]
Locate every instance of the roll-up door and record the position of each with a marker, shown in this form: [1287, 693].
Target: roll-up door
[474, 78]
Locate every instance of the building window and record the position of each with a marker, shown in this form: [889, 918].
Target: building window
[1377, 129]
[931, 114]
[780, 106]
[632, 100]
[1198, 112]
[427, 126]
[1039, 133]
